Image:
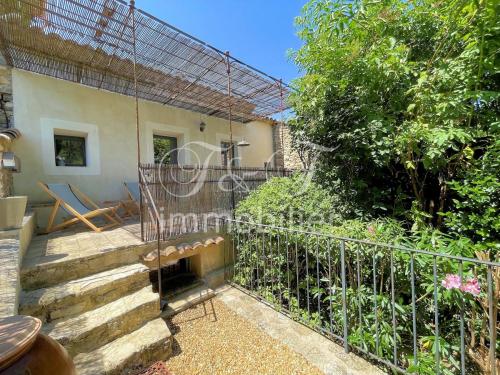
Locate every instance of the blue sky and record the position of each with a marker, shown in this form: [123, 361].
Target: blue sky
[258, 32]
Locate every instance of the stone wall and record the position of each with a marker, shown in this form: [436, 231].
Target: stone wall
[284, 155]
[277, 146]
[6, 102]
[291, 157]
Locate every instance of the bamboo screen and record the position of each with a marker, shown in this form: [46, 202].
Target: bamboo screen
[92, 42]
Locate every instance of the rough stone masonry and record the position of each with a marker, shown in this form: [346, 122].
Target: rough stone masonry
[6, 102]
[6, 121]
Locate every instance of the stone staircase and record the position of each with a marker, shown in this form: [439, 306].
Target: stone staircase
[107, 319]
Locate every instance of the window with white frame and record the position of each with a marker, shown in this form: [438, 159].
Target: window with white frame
[165, 149]
[229, 154]
[70, 150]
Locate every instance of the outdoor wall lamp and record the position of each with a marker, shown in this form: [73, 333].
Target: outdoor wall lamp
[202, 126]
[243, 143]
[10, 162]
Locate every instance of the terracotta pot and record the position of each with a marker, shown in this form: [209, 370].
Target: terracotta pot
[24, 350]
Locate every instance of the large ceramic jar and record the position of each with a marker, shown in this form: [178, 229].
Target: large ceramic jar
[26, 351]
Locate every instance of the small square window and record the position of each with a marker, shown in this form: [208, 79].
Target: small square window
[165, 149]
[70, 151]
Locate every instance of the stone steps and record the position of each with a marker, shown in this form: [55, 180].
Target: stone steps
[109, 321]
[189, 298]
[152, 342]
[45, 271]
[78, 296]
[97, 300]
[94, 328]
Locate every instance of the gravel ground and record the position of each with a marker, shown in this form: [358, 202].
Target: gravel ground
[212, 339]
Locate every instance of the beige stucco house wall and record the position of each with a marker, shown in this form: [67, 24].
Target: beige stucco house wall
[44, 106]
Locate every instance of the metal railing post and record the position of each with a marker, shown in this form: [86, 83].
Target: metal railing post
[358, 293]
[393, 305]
[153, 212]
[344, 296]
[136, 103]
[375, 305]
[225, 248]
[493, 321]
[436, 316]
[158, 248]
[413, 308]
[462, 323]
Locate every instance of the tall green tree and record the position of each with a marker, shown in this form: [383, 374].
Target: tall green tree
[405, 92]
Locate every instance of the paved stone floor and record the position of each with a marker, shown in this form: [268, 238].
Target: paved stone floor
[316, 349]
[80, 242]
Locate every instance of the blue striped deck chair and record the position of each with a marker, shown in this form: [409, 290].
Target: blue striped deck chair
[78, 205]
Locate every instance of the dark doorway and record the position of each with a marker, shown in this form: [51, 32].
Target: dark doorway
[175, 278]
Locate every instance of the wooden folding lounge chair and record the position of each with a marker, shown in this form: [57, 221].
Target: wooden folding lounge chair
[132, 205]
[77, 204]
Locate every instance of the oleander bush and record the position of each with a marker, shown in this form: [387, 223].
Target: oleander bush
[298, 268]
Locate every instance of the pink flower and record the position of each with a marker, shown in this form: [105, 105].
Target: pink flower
[452, 281]
[371, 229]
[471, 286]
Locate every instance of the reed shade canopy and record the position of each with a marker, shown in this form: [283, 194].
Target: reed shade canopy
[91, 42]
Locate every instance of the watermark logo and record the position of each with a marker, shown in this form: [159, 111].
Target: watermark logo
[193, 195]
[184, 181]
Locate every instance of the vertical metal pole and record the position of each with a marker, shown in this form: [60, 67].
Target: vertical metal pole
[413, 308]
[225, 247]
[462, 324]
[282, 126]
[330, 283]
[137, 131]
[242, 263]
[257, 258]
[233, 254]
[358, 272]
[318, 278]
[288, 272]
[236, 255]
[158, 243]
[264, 273]
[307, 280]
[271, 273]
[375, 307]
[279, 271]
[393, 303]
[344, 295]
[249, 258]
[230, 118]
[493, 320]
[297, 272]
[436, 315]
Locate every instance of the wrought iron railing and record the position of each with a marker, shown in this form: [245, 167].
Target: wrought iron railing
[188, 197]
[149, 212]
[412, 310]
